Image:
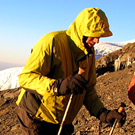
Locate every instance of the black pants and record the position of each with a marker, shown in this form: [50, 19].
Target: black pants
[33, 126]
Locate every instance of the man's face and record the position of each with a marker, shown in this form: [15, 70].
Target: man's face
[91, 41]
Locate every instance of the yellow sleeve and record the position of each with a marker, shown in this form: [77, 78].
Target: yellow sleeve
[35, 73]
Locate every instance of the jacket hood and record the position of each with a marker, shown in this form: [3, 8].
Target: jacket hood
[91, 22]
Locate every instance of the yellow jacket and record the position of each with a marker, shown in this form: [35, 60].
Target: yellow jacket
[55, 56]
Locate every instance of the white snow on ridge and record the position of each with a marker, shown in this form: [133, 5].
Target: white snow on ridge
[9, 77]
[103, 48]
[126, 42]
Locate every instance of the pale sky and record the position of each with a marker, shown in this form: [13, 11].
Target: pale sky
[24, 22]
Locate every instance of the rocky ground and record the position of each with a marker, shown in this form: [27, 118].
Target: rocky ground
[111, 88]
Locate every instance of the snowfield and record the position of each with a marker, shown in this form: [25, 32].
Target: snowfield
[9, 77]
[103, 48]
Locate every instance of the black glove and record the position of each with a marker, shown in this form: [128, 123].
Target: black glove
[109, 116]
[72, 84]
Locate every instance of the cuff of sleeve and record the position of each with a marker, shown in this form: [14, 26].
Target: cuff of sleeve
[56, 86]
[56, 91]
[102, 115]
[100, 112]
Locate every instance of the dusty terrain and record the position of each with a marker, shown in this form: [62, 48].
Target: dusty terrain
[111, 88]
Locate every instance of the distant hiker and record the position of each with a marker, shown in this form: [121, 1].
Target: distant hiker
[131, 90]
[50, 76]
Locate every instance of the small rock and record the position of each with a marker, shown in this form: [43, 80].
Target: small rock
[15, 127]
[78, 133]
[92, 129]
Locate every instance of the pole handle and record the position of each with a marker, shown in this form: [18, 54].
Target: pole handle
[121, 108]
[81, 71]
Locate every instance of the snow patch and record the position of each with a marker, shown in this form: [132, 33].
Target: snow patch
[9, 78]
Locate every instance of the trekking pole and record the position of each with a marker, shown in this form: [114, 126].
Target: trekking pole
[121, 108]
[81, 71]
[65, 114]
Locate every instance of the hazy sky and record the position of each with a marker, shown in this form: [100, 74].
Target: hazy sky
[24, 22]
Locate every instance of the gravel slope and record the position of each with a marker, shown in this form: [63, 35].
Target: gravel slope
[111, 88]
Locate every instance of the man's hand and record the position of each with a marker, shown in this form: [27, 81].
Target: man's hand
[109, 116]
[72, 84]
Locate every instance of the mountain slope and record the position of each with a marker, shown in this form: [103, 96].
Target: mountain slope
[104, 48]
[126, 56]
